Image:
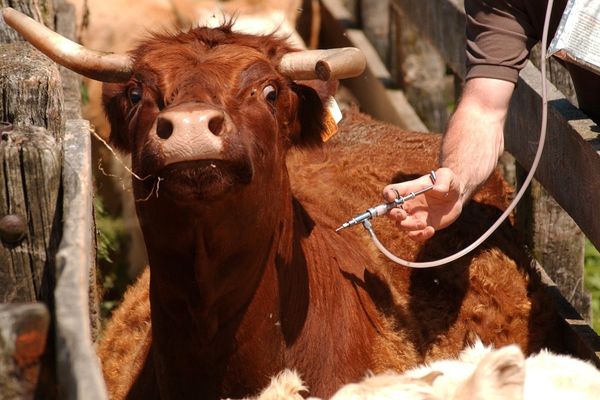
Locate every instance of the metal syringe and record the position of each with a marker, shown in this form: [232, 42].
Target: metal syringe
[384, 208]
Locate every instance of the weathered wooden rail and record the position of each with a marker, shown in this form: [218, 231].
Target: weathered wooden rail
[47, 235]
[570, 164]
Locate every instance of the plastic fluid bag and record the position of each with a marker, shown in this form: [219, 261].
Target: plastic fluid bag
[577, 38]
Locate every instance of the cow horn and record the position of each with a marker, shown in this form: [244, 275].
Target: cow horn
[329, 64]
[100, 66]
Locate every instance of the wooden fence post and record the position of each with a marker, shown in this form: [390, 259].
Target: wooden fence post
[76, 295]
[375, 18]
[419, 71]
[556, 242]
[31, 170]
[30, 88]
[30, 217]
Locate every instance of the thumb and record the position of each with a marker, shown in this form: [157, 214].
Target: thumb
[444, 181]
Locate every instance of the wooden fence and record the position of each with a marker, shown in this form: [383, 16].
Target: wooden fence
[47, 237]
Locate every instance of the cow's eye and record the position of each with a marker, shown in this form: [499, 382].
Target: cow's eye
[135, 95]
[270, 93]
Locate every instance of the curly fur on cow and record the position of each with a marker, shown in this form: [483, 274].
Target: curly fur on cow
[247, 274]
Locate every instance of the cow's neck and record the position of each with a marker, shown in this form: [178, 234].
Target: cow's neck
[232, 312]
[211, 275]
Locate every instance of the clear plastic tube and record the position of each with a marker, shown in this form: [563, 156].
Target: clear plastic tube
[513, 204]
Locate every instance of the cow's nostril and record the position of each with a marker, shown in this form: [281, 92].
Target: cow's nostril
[164, 128]
[215, 125]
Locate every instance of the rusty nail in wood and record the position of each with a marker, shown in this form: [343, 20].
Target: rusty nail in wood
[12, 228]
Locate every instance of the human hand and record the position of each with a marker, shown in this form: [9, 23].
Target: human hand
[433, 210]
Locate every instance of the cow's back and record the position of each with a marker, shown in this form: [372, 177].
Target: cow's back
[492, 292]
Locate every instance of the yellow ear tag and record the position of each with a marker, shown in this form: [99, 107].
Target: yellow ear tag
[333, 115]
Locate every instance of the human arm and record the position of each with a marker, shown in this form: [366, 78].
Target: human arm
[470, 149]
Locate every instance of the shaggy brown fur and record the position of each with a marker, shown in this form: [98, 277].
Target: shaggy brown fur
[485, 289]
[126, 348]
[248, 276]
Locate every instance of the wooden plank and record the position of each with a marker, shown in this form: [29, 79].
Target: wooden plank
[24, 328]
[443, 23]
[376, 99]
[570, 165]
[30, 88]
[420, 71]
[72, 83]
[76, 296]
[30, 170]
[557, 243]
[577, 336]
[79, 370]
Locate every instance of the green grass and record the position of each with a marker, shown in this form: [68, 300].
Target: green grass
[592, 281]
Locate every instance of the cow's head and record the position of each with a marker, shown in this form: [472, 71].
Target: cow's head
[209, 111]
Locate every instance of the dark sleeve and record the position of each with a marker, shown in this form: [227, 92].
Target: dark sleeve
[499, 37]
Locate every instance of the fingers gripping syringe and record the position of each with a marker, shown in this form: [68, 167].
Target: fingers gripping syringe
[384, 208]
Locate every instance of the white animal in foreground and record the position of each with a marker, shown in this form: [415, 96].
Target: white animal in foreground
[480, 373]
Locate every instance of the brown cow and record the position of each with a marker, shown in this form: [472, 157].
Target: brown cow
[247, 275]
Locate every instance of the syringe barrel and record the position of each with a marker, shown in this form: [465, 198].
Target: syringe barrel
[380, 209]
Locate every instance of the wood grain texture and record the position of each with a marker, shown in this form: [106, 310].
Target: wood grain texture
[570, 166]
[442, 22]
[30, 88]
[376, 98]
[30, 169]
[40, 10]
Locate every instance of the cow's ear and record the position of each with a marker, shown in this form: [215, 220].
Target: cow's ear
[114, 105]
[317, 122]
